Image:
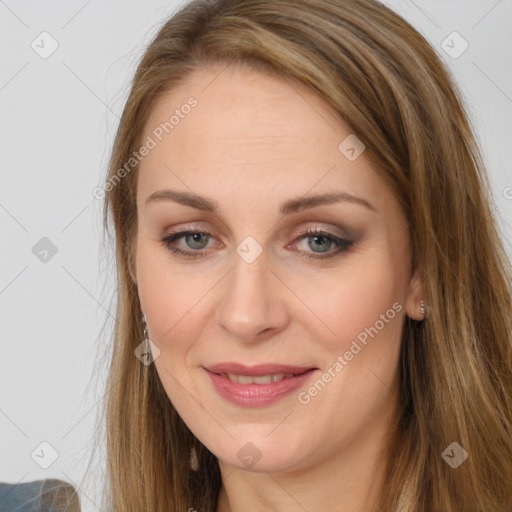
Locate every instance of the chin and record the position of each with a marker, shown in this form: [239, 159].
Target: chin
[259, 453]
[274, 464]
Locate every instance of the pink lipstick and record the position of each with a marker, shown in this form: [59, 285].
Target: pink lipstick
[256, 386]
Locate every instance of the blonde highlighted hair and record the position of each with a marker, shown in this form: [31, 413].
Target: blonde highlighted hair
[385, 81]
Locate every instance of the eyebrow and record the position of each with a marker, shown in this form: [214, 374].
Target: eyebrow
[290, 206]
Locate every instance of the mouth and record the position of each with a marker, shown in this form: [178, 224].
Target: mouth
[257, 385]
[259, 374]
[260, 379]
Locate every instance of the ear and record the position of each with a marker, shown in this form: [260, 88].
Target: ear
[415, 295]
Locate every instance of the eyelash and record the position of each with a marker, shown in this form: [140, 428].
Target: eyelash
[343, 244]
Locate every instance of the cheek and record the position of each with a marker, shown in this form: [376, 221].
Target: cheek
[169, 297]
[336, 305]
[348, 301]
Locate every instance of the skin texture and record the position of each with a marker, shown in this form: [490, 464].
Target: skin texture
[252, 142]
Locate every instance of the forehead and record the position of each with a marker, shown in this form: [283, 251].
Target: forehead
[251, 133]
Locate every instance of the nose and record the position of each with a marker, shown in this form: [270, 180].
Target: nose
[252, 306]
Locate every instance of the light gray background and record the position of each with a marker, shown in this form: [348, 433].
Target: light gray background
[58, 118]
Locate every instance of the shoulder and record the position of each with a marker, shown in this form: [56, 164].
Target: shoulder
[49, 495]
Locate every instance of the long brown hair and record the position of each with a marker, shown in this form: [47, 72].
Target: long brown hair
[384, 80]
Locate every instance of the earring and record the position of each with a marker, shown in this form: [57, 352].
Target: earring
[146, 355]
[194, 463]
[422, 307]
[146, 336]
[150, 350]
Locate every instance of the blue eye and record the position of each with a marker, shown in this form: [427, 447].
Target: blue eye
[318, 237]
[190, 235]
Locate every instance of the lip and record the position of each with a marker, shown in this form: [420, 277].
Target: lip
[257, 370]
[258, 395]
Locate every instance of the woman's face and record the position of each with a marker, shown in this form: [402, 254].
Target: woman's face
[242, 158]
